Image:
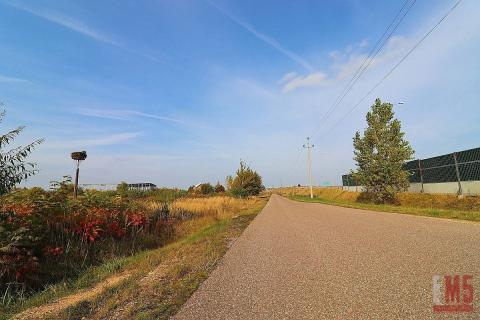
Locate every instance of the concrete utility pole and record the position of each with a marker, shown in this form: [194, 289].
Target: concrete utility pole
[309, 146]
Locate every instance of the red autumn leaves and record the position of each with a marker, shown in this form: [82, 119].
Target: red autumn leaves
[34, 234]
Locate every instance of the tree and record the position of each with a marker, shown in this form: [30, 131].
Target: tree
[246, 183]
[122, 188]
[13, 165]
[206, 188]
[380, 155]
[229, 182]
[219, 188]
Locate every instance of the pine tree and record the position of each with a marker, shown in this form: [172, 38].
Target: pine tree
[380, 155]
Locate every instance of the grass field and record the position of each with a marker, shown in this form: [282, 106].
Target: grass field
[432, 205]
[152, 283]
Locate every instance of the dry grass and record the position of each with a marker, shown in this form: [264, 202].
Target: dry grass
[217, 207]
[53, 309]
[439, 201]
[330, 193]
[206, 211]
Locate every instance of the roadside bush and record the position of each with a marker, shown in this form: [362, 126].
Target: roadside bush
[246, 182]
[46, 236]
[122, 189]
[159, 194]
[219, 188]
[201, 189]
[206, 188]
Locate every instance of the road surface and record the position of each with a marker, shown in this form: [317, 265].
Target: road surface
[313, 261]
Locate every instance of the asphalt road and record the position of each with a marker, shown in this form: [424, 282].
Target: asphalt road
[312, 261]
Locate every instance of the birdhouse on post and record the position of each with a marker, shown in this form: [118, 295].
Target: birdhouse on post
[78, 156]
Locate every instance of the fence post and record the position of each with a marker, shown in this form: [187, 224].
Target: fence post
[420, 170]
[457, 171]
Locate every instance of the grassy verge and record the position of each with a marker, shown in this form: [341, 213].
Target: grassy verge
[471, 215]
[159, 281]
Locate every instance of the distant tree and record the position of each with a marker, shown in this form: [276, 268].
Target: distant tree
[380, 155]
[191, 189]
[13, 165]
[65, 185]
[219, 188]
[122, 189]
[229, 182]
[206, 188]
[247, 182]
[64, 188]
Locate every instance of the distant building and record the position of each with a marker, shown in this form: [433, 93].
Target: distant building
[142, 186]
[98, 186]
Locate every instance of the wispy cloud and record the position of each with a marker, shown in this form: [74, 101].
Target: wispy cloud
[113, 139]
[5, 79]
[344, 64]
[268, 40]
[287, 77]
[314, 79]
[120, 114]
[79, 27]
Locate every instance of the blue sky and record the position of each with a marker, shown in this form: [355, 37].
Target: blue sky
[177, 92]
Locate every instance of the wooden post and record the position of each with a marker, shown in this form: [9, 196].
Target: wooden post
[77, 156]
[75, 186]
[420, 170]
[457, 171]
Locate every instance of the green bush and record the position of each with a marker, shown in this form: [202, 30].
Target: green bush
[201, 189]
[247, 182]
[206, 188]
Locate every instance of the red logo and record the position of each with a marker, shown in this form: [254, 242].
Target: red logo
[452, 293]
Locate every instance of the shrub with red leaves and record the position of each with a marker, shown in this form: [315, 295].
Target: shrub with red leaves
[90, 230]
[115, 230]
[136, 219]
[53, 251]
[45, 234]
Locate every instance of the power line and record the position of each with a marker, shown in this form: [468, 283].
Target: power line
[295, 162]
[368, 60]
[394, 67]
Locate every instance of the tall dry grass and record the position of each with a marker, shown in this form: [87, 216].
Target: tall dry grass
[192, 214]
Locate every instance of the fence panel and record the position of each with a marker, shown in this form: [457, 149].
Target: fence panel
[440, 169]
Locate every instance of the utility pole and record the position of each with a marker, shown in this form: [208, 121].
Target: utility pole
[309, 146]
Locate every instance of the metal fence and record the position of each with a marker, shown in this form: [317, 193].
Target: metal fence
[453, 167]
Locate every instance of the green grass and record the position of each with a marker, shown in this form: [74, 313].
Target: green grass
[470, 215]
[186, 263]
